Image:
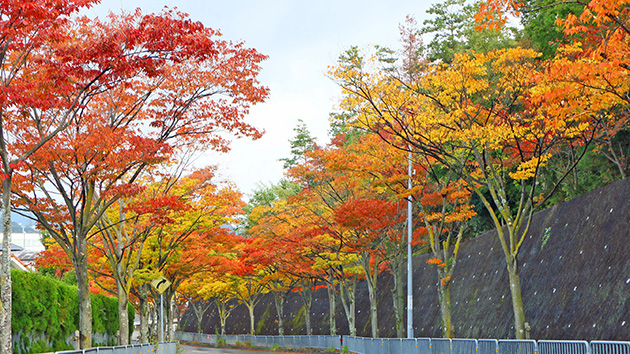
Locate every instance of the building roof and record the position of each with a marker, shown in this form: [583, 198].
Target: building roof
[16, 263]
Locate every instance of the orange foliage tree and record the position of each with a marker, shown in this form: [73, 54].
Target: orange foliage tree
[182, 246]
[444, 208]
[274, 232]
[594, 57]
[164, 96]
[369, 157]
[41, 90]
[354, 214]
[278, 224]
[209, 285]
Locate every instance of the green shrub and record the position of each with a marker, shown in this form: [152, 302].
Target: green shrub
[40, 347]
[45, 306]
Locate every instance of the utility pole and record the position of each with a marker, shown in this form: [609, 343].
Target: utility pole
[409, 256]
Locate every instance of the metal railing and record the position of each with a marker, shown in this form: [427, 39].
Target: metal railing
[160, 348]
[362, 345]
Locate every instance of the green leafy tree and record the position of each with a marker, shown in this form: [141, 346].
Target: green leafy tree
[302, 142]
[448, 23]
[539, 22]
[454, 30]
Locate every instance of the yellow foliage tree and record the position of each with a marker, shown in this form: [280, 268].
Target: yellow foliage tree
[493, 119]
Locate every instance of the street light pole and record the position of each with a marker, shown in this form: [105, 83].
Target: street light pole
[409, 257]
[161, 339]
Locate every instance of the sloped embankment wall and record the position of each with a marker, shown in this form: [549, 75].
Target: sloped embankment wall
[576, 284]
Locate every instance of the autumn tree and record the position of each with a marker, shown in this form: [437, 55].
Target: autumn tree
[273, 254]
[271, 233]
[121, 232]
[220, 286]
[442, 213]
[325, 241]
[302, 224]
[493, 119]
[290, 263]
[185, 245]
[207, 286]
[43, 88]
[590, 40]
[176, 93]
[444, 210]
[375, 213]
[265, 198]
[347, 207]
[249, 281]
[120, 240]
[387, 169]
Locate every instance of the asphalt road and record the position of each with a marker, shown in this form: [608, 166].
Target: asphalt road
[187, 349]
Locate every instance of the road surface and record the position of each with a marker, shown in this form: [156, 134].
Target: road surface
[187, 349]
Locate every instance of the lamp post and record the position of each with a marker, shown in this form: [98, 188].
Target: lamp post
[409, 257]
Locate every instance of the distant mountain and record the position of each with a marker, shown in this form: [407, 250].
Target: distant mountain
[17, 228]
[18, 220]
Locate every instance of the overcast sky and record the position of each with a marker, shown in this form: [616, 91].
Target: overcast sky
[301, 38]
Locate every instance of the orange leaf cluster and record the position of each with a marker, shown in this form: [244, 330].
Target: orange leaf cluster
[437, 262]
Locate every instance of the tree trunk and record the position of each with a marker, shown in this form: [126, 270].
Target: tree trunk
[252, 323]
[348, 302]
[123, 317]
[517, 299]
[199, 315]
[224, 312]
[307, 320]
[200, 307]
[373, 311]
[223, 319]
[620, 163]
[144, 313]
[398, 299]
[5, 271]
[444, 294]
[278, 297]
[308, 302]
[332, 306]
[85, 301]
[307, 299]
[371, 278]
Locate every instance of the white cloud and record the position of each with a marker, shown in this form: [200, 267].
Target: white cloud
[301, 38]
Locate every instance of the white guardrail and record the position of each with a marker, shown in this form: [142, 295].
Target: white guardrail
[362, 345]
[159, 348]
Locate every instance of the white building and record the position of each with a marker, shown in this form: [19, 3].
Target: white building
[28, 241]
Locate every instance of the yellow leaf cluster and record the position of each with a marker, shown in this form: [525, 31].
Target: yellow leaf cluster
[529, 168]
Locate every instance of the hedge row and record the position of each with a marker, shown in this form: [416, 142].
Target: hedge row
[46, 314]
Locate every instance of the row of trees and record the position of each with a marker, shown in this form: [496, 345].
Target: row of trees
[500, 123]
[91, 134]
[94, 115]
